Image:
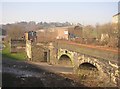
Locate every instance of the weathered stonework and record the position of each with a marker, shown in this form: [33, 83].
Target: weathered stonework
[66, 52]
[108, 69]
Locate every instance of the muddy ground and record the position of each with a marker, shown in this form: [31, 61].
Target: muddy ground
[23, 74]
[32, 74]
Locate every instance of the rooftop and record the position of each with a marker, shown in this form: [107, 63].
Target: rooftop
[116, 14]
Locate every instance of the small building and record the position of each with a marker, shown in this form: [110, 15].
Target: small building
[62, 33]
[116, 18]
[76, 32]
[31, 35]
[51, 34]
[46, 35]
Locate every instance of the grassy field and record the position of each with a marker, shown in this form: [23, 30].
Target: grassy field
[16, 56]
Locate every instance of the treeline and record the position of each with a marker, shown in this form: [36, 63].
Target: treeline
[35, 26]
[17, 30]
[103, 35]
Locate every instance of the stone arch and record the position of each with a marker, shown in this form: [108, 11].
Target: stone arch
[103, 70]
[65, 52]
[88, 65]
[90, 61]
[65, 58]
[88, 70]
[94, 74]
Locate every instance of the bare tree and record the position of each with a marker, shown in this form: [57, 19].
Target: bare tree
[15, 32]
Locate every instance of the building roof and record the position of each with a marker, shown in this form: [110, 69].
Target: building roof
[116, 14]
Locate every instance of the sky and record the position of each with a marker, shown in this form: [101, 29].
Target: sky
[86, 13]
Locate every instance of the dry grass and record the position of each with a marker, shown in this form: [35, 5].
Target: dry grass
[89, 51]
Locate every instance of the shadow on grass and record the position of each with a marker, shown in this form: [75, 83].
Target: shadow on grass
[15, 56]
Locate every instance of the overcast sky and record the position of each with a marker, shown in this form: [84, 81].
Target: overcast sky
[74, 12]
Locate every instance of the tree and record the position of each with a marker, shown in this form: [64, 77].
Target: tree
[111, 30]
[15, 32]
[88, 31]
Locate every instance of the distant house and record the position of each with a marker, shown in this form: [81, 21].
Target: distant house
[45, 35]
[116, 18]
[73, 36]
[2, 34]
[52, 34]
[31, 35]
[76, 32]
[62, 33]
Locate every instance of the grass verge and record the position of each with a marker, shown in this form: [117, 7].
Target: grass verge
[16, 56]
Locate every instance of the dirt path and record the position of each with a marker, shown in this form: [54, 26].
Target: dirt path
[92, 46]
[53, 68]
[24, 74]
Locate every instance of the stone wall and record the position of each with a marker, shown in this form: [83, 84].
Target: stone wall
[17, 45]
[28, 49]
[37, 53]
[108, 69]
[44, 52]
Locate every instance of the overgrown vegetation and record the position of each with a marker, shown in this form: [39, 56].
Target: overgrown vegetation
[103, 35]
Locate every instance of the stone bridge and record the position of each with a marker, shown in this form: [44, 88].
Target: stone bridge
[104, 61]
[107, 69]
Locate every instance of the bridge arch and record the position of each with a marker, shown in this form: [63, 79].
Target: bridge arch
[67, 53]
[90, 69]
[90, 61]
[88, 65]
[65, 59]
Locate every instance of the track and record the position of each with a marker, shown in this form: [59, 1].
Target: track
[25, 74]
